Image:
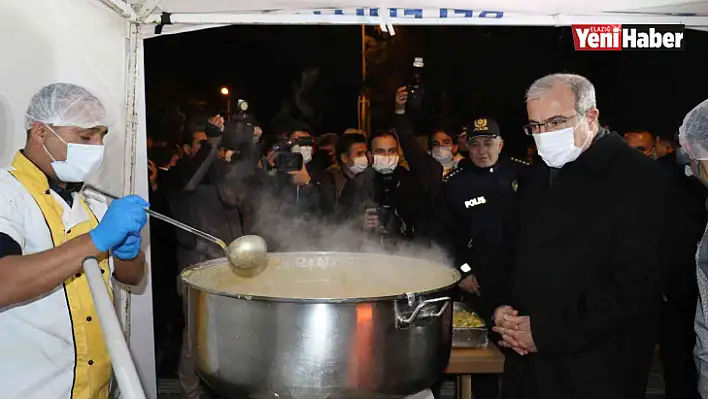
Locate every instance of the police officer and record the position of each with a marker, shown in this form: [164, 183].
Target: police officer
[479, 200]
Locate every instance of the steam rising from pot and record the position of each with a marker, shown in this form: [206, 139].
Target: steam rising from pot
[284, 231]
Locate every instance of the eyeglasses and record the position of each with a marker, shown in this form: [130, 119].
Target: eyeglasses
[549, 125]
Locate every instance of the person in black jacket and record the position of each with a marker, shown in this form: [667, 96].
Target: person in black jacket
[642, 141]
[208, 193]
[680, 293]
[478, 204]
[585, 293]
[168, 318]
[665, 144]
[293, 205]
[352, 158]
[680, 290]
[386, 200]
[480, 201]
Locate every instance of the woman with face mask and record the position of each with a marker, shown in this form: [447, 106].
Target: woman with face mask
[693, 136]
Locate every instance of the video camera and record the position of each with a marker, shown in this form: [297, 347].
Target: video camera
[389, 222]
[285, 159]
[238, 132]
[239, 115]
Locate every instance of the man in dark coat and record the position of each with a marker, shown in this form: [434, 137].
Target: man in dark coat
[292, 205]
[387, 200]
[209, 193]
[680, 294]
[584, 304]
[680, 290]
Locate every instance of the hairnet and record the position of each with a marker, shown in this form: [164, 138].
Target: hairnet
[693, 133]
[65, 104]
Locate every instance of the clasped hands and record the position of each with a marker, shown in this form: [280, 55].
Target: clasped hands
[515, 330]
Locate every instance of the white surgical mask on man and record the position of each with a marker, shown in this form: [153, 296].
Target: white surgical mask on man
[385, 164]
[81, 161]
[360, 165]
[558, 148]
[305, 151]
[443, 155]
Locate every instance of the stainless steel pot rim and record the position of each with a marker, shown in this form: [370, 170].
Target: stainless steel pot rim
[184, 275]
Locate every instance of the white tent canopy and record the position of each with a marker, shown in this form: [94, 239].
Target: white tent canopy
[547, 7]
[99, 44]
[693, 14]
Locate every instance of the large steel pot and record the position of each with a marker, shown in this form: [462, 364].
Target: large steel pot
[314, 345]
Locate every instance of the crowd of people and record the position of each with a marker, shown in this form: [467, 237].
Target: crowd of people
[581, 263]
[585, 259]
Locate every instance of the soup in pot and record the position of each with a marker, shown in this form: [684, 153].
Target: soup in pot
[326, 276]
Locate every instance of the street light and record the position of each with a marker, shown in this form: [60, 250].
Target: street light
[225, 92]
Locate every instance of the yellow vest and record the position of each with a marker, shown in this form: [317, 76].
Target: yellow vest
[92, 367]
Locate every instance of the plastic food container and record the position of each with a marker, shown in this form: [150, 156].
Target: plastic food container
[468, 337]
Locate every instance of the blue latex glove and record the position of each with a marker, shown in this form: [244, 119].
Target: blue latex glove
[129, 248]
[125, 215]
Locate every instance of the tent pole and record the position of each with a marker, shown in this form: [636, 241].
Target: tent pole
[137, 321]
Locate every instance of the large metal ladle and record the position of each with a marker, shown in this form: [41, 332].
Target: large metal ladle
[244, 253]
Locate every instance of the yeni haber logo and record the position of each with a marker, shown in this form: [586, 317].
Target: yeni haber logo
[628, 37]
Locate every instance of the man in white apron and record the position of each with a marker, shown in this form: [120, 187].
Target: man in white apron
[51, 344]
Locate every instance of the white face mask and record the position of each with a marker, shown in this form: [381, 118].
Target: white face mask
[558, 148]
[688, 171]
[443, 155]
[385, 164]
[697, 170]
[305, 151]
[360, 164]
[81, 161]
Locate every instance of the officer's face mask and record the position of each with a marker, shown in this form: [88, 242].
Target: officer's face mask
[385, 164]
[81, 160]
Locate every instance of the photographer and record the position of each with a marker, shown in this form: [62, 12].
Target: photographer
[387, 198]
[210, 196]
[294, 190]
[427, 170]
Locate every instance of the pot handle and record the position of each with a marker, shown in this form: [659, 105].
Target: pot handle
[416, 312]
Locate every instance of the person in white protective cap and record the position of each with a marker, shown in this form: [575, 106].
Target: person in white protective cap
[693, 136]
[51, 344]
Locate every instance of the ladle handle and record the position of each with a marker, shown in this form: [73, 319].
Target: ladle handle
[165, 219]
[183, 226]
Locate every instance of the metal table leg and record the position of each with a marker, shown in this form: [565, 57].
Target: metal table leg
[464, 387]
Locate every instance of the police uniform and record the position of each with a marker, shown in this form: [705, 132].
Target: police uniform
[480, 204]
[51, 347]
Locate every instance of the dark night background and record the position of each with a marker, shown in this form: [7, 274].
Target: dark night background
[469, 71]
